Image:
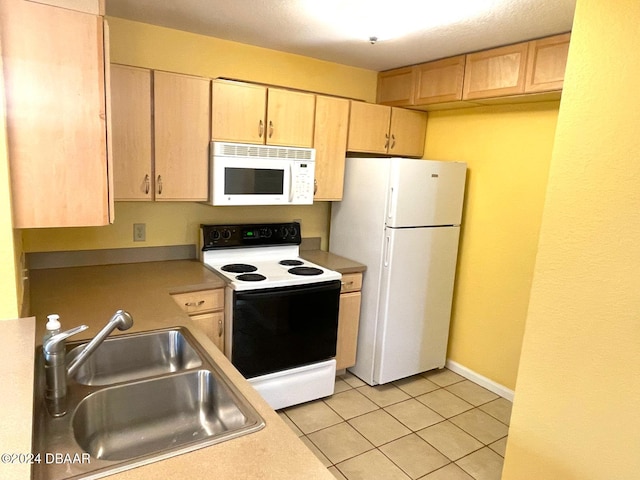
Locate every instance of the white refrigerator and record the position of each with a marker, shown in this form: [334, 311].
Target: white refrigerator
[401, 218]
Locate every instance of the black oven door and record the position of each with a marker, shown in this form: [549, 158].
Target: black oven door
[280, 328]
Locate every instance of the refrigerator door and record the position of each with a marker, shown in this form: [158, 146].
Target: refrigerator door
[425, 192]
[416, 291]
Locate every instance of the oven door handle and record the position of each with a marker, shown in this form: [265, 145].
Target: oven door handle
[292, 290]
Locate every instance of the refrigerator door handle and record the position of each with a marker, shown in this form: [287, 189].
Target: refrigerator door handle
[390, 208]
[387, 250]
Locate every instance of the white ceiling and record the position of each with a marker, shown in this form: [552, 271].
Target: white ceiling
[296, 26]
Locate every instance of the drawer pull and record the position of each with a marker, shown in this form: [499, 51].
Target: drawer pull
[345, 284]
[220, 327]
[194, 304]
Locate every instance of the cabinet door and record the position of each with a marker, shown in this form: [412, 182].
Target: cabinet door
[407, 132]
[238, 112]
[181, 124]
[395, 87]
[368, 128]
[131, 127]
[496, 72]
[439, 81]
[212, 324]
[54, 71]
[330, 142]
[546, 63]
[290, 117]
[348, 322]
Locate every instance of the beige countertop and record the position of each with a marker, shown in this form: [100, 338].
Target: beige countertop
[90, 295]
[332, 261]
[16, 401]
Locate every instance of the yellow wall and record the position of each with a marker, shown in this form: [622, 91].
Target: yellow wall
[8, 278]
[508, 150]
[160, 48]
[577, 407]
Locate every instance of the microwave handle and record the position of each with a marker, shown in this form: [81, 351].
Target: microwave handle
[291, 183]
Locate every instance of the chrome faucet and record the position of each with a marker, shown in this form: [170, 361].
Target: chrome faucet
[56, 371]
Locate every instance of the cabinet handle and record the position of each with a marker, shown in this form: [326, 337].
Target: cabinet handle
[270, 129]
[315, 186]
[194, 304]
[147, 184]
[219, 327]
[393, 141]
[159, 184]
[261, 129]
[386, 141]
[347, 284]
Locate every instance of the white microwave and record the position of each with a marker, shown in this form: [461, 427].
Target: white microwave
[245, 174]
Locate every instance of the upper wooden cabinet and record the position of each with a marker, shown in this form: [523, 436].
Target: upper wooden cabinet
[181, 136]
[381, 129]
[497, 72]
[248, 113]
[529, 67]
[369, 128]
[407, 132]
[56, 98]
[547, 61]
[330, 141]
[395, 87]
[132, 133]
[162, 155]
[439, 81]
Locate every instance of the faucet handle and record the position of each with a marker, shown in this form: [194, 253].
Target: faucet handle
[53, 345]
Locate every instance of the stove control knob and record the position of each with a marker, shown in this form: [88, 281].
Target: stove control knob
[266, 232]
[293, 231]
[215, 235]
[284, 232]
[226, 234]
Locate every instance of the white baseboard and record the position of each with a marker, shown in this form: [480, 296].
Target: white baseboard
[483, 381]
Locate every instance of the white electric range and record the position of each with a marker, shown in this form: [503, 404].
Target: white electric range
[281, 311]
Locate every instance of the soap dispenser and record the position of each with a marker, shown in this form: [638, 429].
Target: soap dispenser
[53, 327]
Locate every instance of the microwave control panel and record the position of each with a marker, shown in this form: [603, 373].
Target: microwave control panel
[303, 176]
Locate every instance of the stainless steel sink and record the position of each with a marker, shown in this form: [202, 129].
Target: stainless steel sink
[131, 357]
[124, 422]
[111, 427]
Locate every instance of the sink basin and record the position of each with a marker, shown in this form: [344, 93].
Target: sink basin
[132, 357]
[124, 422]
[140, 398]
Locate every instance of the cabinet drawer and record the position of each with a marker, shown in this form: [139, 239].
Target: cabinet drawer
[201, 301]
[351, 282]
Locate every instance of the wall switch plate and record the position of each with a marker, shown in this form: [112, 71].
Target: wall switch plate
[139, 232]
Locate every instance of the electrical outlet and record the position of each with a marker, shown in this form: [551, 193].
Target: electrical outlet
[139, 232]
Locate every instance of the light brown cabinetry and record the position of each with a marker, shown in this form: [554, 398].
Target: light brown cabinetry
[205, 309]
[381, 129]
[524, 68]
[132, 133]
[56, 94]
[348, 320]
[497, 72]
[181, 136]
[160, 135]
[395, 87]
[249, 113]
[439, 81]
[330, 141]
[547, 61]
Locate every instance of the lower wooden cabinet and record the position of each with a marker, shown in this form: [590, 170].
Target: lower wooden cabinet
[206, 311]
[348, 320]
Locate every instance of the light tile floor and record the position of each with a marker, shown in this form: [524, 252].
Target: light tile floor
[434, 426]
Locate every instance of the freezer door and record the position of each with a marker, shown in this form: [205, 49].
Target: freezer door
[415, 301]
[425, 192]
